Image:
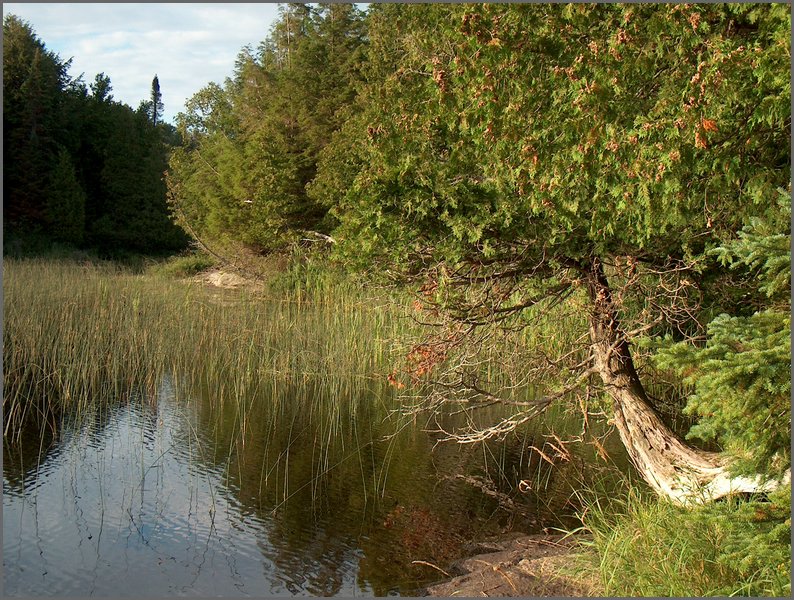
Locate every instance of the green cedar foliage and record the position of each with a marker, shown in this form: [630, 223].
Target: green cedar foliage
[581, 130]
[525, 142]
[741, 376]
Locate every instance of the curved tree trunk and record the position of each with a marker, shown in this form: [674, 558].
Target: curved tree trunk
[672, 468]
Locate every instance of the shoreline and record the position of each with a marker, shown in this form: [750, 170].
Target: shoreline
[537, 565]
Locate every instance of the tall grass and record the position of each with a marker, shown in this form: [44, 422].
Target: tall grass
[79, 335]
[644, 546]
[76, 334]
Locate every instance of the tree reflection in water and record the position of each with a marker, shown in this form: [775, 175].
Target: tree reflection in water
[296, 492]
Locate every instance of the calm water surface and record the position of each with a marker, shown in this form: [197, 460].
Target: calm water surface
[166, 494]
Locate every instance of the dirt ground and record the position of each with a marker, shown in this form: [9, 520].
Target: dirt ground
[226, 279]
[525, 565]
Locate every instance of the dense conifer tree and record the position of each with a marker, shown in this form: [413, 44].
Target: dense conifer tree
[252, 145]
[519, 156]
[101, 88]
[157, 106]
[34, 81]
[65, 217]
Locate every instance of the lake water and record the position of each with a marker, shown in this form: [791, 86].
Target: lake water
[165, 493]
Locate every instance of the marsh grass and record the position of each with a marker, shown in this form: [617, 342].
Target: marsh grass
[645, 546]
[77, 333]
[81, 333]
[289, 381]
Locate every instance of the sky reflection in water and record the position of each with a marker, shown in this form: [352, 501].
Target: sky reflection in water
[163, 496]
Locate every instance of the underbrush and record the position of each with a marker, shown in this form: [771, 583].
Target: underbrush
[40, 246]
[645, 546]
[296, 271]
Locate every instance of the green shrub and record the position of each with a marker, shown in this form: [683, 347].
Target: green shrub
[185, 265]
[308, 271]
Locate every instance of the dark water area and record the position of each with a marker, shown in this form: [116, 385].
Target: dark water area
[170, 493]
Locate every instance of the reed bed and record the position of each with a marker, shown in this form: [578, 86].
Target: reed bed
[80, 335]
[288, 388]
[77, 334]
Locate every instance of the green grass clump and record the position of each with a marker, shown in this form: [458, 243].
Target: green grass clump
[185, 265]
[645, 546]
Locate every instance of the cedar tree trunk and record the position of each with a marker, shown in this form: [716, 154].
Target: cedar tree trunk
[675, 470]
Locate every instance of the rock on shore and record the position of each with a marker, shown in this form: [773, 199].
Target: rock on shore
[526, 565]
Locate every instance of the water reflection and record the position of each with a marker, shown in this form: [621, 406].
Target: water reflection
[295, 493]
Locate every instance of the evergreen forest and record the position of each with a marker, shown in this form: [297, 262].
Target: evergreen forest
[79, 168]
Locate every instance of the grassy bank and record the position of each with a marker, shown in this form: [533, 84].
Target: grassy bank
[645, 546]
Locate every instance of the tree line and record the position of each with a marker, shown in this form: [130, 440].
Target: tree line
[79, 167]
[631, 160]
[251, 148]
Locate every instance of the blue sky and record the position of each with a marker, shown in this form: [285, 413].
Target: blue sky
[186, 45]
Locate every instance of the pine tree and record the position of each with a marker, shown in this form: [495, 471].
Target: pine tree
[65, 202]
[79, 167]
[34, 80]
[741, 376]
[157, 106]
[101, 88]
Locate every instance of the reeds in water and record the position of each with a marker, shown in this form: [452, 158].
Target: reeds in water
[77, 334]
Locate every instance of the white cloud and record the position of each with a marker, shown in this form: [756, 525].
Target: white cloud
[186, 45]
